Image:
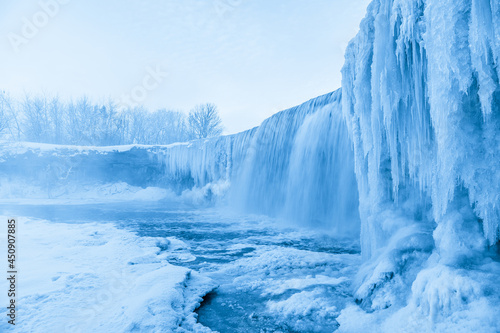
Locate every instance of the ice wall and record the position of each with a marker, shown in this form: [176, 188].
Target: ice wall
[199, 163]
[421, 98]
[46, 170]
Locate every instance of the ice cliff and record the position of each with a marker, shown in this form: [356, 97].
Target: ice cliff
[421, 97]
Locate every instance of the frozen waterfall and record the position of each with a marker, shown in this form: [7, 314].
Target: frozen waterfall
[421, 97]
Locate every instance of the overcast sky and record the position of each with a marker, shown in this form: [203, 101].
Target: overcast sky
[251, 58]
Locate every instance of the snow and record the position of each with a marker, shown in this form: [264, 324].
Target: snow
[303, 310]
[304, 283]
[94, 277]
[445, 299]
[10, 147]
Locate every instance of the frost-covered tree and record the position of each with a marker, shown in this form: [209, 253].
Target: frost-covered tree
[170, 126]
[204, 121]
[109, 125]
[56, 117]
[83, 122]
[36, 119]
[5, 114]
[159, 127]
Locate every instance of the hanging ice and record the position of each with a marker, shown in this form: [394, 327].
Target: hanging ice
[422, 101]
[421, 98]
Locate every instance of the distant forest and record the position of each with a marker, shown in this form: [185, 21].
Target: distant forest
[50, 120]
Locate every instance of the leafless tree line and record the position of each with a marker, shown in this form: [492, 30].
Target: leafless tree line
[82, 122]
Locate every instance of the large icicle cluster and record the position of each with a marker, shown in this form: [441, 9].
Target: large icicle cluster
[421, 98]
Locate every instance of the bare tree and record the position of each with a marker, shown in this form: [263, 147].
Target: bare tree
[37, 125]
[204, 121]
[169, 126]
[5, 113]
[83, 122]
[56, 119]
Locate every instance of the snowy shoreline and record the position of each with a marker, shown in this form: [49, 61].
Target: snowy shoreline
[95, 277]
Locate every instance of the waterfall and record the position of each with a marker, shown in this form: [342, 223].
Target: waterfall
[298, 165]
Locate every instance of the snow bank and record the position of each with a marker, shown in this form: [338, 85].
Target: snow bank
[51, 167]
[22, 192]
[94, 277]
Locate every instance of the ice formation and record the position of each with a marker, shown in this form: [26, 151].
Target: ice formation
[421, 98]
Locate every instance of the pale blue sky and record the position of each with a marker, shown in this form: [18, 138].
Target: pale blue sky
[251, 58]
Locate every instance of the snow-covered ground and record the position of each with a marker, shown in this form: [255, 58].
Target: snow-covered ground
[93, 277]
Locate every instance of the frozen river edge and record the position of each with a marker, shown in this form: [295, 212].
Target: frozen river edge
[94, 277]
[113, 268]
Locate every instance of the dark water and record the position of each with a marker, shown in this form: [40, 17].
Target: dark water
[245, 255]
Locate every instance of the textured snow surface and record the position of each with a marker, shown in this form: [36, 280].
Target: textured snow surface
[94, 277]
